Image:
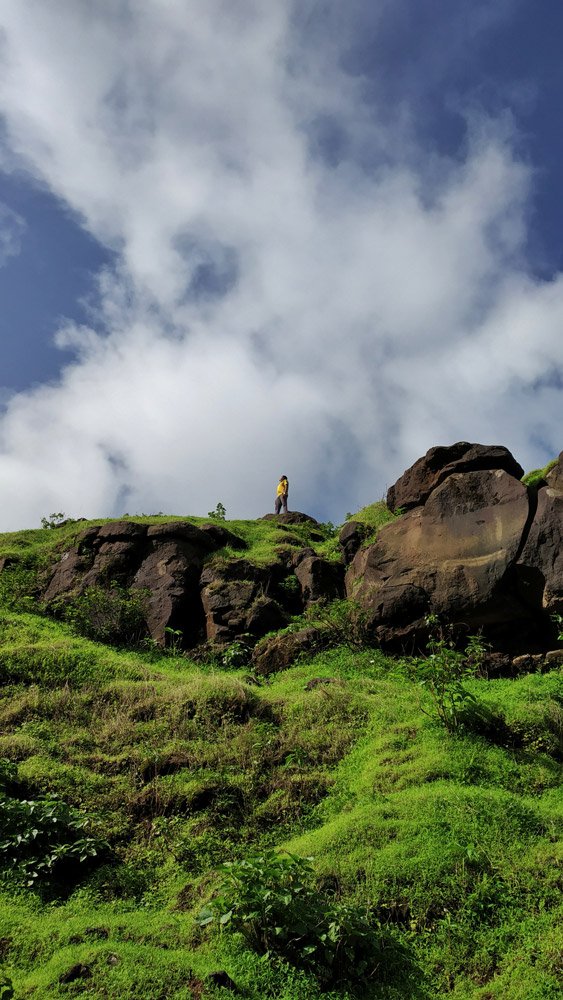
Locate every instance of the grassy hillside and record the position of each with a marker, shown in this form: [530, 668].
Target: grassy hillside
[437, 857]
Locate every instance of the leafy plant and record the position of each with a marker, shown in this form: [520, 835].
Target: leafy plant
[328, 528]
[236, 655]
[475, 653]
[343, 622]
[272, 900]
[558, 622]
[443, 671]
[173, 638]
[39, 834]
[114, 615]
[53, 521]
[219, 514]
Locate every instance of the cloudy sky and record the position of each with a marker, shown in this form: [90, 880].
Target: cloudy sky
[241, 238]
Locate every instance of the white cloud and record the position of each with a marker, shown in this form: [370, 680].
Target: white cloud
[272, 309]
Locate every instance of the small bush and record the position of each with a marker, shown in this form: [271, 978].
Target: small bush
[37, 835]
[114, 615]
[442, 673]
[342, 623]
[236, 655]
[54, 520]
[219, 514]
[272, 900]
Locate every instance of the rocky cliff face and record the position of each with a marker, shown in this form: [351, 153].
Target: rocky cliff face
[187, 587]
[475, 546]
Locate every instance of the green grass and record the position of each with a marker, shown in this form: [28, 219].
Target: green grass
[266, 541]
[538, 475]
[453, 841]
[374, 517]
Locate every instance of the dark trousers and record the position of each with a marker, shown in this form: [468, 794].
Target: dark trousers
[281, 502]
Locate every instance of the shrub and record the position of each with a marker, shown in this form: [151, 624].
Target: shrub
[114, 615]
[37, 835]
[443, 671]
[236, 655]
[273, 902]
[219, 514]
[342, 622]
[54, 520]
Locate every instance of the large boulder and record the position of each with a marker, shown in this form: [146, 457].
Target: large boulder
[450, 557]
[320, 579]
[554, 478]
[103, 554]
[169, 576]
[540, 566]
[414, 487]
[292, 517]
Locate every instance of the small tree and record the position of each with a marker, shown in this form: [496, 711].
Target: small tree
[443, 671]
[219, 514]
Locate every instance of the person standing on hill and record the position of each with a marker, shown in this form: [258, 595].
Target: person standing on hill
[281, 495]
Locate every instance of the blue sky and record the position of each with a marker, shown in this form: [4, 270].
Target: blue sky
[51, 277]
[240, 238]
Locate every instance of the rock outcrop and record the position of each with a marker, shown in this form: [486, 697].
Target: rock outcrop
[163, 560]
[476, 547]
[206, 599]
[280, 651]
[320, 579]
[351, 536]
[540, 566]
[236, 601]
[416, 484]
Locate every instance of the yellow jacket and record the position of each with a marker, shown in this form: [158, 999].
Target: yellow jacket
[282, 487]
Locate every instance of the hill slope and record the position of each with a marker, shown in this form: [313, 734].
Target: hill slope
[428, 796]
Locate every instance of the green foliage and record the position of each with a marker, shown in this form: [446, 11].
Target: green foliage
[237, 654]
[18, 587]
[342, 623]
[374, 516]
[443, 671]
[37, 835]
[450, 847]
[53, 521]
[558, 622]
[219, 514]
[173, 640]
[328, 529]
[39, 651]
[273, 901]
[114, 614]
[537, 476]
[6, 988]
